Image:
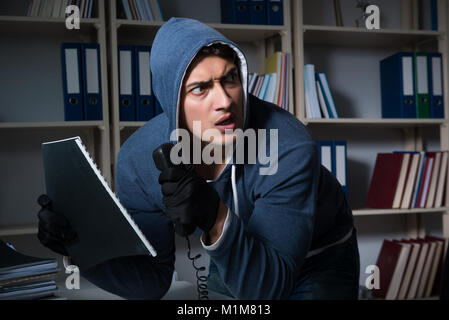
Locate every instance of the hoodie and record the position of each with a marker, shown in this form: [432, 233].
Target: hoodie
[274, 221]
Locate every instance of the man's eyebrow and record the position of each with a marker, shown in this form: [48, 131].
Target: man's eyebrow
[198, 83]
[204, 83]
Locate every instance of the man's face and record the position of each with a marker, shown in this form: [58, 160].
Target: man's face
[212, 93]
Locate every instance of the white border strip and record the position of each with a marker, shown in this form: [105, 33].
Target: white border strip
[73, 138]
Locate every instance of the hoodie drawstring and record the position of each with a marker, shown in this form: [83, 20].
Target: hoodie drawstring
[234, 191]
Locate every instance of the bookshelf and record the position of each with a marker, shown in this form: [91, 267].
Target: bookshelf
[349, 40]
[30, 61]
[350, 56]
[266, 38]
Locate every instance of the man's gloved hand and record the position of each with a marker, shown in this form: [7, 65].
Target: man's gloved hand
[54, 230]
[188, 198]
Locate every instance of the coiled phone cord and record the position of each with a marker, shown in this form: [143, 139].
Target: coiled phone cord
[201, 280]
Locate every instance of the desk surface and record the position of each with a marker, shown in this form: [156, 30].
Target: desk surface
[179, 290]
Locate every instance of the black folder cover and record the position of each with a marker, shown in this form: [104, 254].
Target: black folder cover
[79, 192]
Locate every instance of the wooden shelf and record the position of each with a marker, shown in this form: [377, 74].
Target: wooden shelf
[361, 37]
[48, 26]
[55, 124]
[374, 212]
[131, 124]
[374, 122]
[235, 32]
[242, 32]
[123, 23]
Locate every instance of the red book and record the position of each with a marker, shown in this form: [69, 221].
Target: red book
[392, 261]
[430, 259]
[439, 273]
[410, 267]
[441, 181]
[133, 9]
[419, 269]
[434, 181]
[384, 180]
[281, 81]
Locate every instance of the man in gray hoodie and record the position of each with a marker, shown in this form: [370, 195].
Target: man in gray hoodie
[285, 234]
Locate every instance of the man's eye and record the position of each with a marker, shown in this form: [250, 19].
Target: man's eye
[230, 77]
[200, 90]
[197, 90]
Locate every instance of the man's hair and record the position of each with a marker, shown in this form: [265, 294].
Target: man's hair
[217, 49]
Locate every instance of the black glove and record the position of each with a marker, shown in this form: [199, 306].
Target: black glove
[188, 198]
[54, 230]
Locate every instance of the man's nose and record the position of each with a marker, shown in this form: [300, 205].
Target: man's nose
[222, 100]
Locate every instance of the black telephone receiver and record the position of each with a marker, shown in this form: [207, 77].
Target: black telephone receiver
[161, 157]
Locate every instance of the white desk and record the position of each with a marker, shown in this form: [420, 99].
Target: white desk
[179, 290]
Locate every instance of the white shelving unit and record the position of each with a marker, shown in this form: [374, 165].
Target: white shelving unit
[406, 38]
[95, 134]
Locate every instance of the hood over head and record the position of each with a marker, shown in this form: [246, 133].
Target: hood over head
[176, 44]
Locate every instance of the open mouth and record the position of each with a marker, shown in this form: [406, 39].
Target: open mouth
[225, 120]
[225, 123]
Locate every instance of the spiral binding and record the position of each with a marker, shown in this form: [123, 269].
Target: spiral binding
[201, 281]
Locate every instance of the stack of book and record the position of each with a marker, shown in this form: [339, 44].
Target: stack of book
[56, 8]
[403, 180]
[147, 10]
[273, 86]
[24, 277]
[410, 268]
[318, 96]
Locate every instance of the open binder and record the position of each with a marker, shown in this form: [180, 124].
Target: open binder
[79, 192]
